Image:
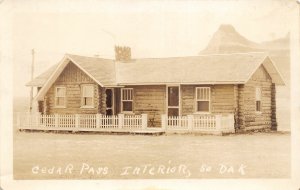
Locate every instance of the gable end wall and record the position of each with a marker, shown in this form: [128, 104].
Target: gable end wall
[249, 119]
[73, 78]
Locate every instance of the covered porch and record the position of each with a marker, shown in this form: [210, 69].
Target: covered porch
[122, 123]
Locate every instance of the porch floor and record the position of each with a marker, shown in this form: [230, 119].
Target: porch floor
[148, 131]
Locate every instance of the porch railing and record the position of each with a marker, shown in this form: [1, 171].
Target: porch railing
[121, 122]
[81, 122]
[200, 123]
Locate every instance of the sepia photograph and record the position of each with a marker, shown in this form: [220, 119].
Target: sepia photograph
[150, 90]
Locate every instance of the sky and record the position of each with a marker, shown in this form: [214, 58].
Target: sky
[150, 28]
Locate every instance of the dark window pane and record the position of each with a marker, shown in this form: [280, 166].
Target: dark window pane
[109, 112]
[87, 101]
[173, 96]
[127, 106]
[258, 106]
[173, 111]
[109, 98]
[203, 106]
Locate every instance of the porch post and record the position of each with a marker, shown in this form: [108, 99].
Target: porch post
[77, 120]
[190, 122]
[164, 121]
[98, 120]
[37, 119]
[144, 121]
[56, 120]
[121, 120]
[231, 119]
[218, 123]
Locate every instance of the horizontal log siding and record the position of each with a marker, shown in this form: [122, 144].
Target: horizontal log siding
[248, 117]
[150, 97]
[273, 107]
[101, 100]
[72, 78]
[222, 99]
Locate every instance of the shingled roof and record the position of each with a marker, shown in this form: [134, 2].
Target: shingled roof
[234, 68]
[101, 69]
[208, 69]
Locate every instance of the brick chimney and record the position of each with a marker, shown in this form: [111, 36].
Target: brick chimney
[122, 53]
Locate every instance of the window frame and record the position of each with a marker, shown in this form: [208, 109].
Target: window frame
[258, 99]
[196, 100]
[132, 100]
[82, 98]
[179, 99]
[55, 97]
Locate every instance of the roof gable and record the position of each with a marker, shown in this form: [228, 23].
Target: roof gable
[85, 64]
[273, 71]
[101, 70]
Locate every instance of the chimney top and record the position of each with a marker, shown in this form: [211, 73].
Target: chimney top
[122, 53]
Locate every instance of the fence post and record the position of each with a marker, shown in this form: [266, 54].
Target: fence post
[56, 120]
[98, 120]
[218, 123]
[231, 122]
[37, 119]
[190, 122]
[77, 117]
[144, 121]
[121, 120]
[164, 122]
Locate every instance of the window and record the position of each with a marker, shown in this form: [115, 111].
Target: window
[60, 97]
[87, 96]
[202, 99]
[258, 99]
[127, 99]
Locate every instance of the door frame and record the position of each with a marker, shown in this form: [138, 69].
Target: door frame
[179, 98]
[113, 100]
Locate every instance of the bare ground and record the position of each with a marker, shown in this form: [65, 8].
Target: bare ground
[94, 156]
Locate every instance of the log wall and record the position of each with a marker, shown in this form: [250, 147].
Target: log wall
[72, 78]
[222, 99]
[249, 118]
[273, 107]
[147, 98]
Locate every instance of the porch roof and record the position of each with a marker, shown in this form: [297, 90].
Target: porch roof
[236, 68]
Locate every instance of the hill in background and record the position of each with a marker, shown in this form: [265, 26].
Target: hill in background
[227, 40]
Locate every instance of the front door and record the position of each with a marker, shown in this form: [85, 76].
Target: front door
[173, 93]
[109, 101]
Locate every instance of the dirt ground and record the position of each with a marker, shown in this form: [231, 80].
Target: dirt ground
[40, 155]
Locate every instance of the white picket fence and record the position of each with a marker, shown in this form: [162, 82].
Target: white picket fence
[199, 123]
[121, 122]
[82, 122]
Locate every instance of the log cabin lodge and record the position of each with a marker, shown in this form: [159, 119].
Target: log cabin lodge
[241, 84]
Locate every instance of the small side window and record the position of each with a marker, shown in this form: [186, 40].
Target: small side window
[87, 96]
[203, 99]
[258, 99]
[127, 99]
[60, 97]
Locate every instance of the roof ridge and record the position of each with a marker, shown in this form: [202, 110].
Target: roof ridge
[205, 55]
[69, 54]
